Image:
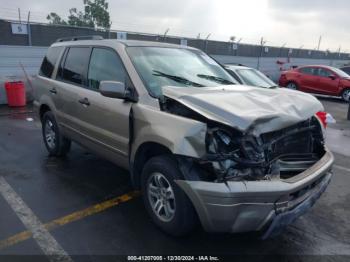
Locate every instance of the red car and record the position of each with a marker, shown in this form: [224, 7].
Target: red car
[324, 80]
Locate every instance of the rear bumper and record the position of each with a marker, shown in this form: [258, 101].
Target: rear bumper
[266, 206]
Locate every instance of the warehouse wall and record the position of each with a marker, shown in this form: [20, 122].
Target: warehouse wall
[12, 58]
[45, 35]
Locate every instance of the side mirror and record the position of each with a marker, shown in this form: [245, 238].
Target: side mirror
[114, 89]
[333, 77]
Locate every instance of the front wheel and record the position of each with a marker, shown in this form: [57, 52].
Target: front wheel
[166, 203]
[56, 144]
[292, 85]
[346, 95]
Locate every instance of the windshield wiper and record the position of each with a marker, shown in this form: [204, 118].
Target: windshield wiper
[217, 79]
[178, 79]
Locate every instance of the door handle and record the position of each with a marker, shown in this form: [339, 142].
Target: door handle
[84, 101]
[53, 91]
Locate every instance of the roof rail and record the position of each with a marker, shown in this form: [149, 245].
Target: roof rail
[76, 38]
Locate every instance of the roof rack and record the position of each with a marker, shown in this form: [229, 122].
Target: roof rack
[76, 38]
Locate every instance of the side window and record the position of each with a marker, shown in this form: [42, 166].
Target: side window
[105, 65]
[74, 67]
[308, 70]
[49, 61]
[324, 72]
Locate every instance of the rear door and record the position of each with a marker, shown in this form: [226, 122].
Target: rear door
[329, 82]
[71, 80]
[105, 121]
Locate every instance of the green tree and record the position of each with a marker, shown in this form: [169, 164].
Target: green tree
[55, 19]
[96, 11]
[95, 15]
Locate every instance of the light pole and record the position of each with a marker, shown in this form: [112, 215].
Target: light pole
[206, 42]
[262, 43]
[165, 33]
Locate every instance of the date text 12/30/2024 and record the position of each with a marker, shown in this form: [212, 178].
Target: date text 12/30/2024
[173, 258]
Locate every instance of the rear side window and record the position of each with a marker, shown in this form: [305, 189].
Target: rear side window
[105, 65]
[74, 67]
[308, 71]
[49, 61]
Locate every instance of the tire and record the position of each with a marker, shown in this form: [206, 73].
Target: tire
[345, 95]
[183, 218]
[56, 144]
[292, 86]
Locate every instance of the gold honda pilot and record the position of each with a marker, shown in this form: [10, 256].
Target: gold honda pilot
[197, 144]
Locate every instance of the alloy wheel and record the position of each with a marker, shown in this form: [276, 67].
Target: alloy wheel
[292, 86]
[50, 134]
[161, 197]
[346, 95]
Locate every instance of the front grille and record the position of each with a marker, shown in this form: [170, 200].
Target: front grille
[298, 139]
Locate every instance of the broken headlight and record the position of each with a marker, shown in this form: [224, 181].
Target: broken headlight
[232, 156]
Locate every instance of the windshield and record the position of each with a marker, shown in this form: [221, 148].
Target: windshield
[176, 67]
[340, 73]
[254, 77]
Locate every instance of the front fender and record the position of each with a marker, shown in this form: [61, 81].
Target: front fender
[182, 136]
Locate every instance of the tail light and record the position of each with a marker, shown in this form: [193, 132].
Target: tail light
[325, 118]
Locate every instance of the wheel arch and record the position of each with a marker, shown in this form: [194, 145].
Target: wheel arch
[145, 152]
[43, 109]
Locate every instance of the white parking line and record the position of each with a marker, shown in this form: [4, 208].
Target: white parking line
[342, 168]
[45, 240]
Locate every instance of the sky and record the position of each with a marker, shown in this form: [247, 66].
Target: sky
[293, 23]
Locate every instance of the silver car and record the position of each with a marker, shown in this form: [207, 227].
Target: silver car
[196, 143]
[250, 76]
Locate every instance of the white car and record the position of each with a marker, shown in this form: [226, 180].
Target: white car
[250, 76]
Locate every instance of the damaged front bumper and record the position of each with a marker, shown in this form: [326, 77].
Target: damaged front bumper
[266, 206]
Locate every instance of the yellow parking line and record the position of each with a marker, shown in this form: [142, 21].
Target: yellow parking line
[70, 218]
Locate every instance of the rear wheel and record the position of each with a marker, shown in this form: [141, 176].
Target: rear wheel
[56, 144]
[166, 203]
[292, 85]
[346, 95]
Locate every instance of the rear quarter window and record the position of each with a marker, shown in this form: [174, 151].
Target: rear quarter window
[49, 62]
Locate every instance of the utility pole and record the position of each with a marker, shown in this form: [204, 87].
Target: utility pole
[282, 48]
[319, 43]
[206, 42]
[29, 30]
[262, 43]
[19, 15]
[165, 33]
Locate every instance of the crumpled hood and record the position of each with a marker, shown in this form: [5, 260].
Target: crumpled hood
[248, 109]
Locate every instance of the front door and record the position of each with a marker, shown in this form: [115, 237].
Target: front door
[329, 82]
[105, 121]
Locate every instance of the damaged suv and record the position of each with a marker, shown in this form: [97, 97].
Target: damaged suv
[198, 145]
